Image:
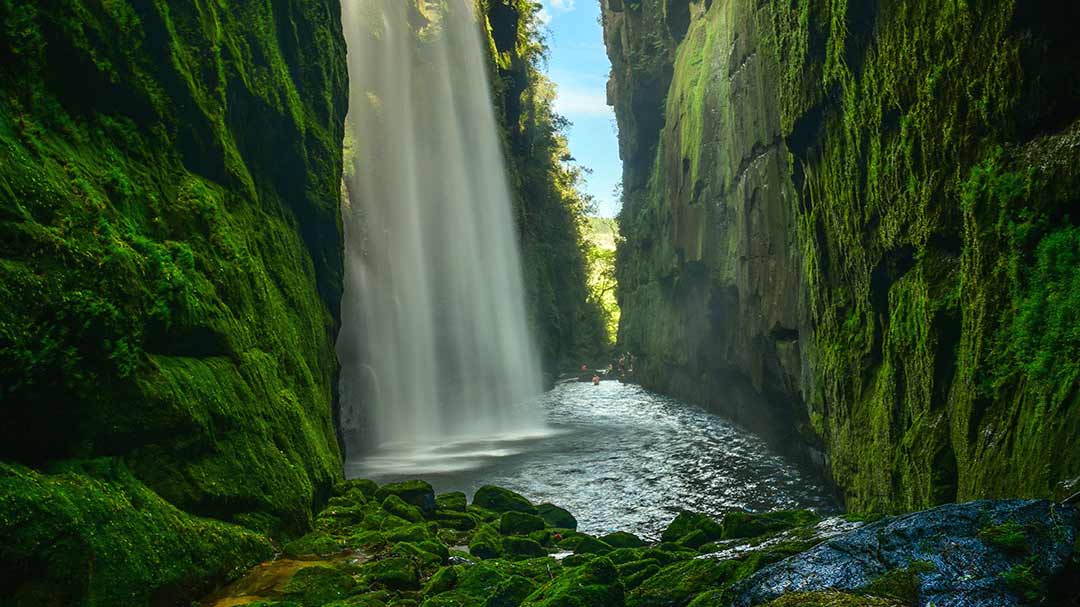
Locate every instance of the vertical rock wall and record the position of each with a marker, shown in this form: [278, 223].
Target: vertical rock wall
[855, 220]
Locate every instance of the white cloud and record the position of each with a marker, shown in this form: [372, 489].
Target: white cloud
[571, 102]
[562, 5]
[544, 16]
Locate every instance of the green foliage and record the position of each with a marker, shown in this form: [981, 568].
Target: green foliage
[1024, 579]
[1009, 535]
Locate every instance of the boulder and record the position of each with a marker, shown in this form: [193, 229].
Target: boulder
[399, 508]
[416, 493]
[557, 517]
[519, 523]
[594, 584]
[622, 539]
[688, 522]
[740, 524]
[501, 500]
[454, 501]
[522, 547]
[951, 556]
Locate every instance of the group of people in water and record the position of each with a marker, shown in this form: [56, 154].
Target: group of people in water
[623, 365]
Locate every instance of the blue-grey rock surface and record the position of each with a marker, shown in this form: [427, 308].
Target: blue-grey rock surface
[962, 561]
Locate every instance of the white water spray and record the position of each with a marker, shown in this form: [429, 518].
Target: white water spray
[437, 358]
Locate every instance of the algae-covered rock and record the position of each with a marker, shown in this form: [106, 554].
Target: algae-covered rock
[361, 486]
[453, 598]
[454, 519]
[595, 584]
[746, 524]
[591, 545]
[519, 523]
[687, 523]
[816, 599]
[557, 517]
[417, 532]
[314, 544]
[397, 573]
[497, 499]
[416, 493]
[486, 543]
[454, 501]
[674, 585]
[398, 507]
[942, 554]
[622, 539]
[522, 547]
[445, 579]
[317, 585]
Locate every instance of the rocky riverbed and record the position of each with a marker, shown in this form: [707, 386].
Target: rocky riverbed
[401, 545]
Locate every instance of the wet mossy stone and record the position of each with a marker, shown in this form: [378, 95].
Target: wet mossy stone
[577, 560]
[412, 533]
[637, 578]
[695, 539]
[398, 573]
[557, 517]
[622, 539]
[444, 580]
[497, 499]
[572, 542]
[398, 507]
[455, 520]
[453, 598]
[316, 543]
[510, 592]
[486, 543]
[676, 584]
[318, 585]
[522, 547]
[520, 523]
[738, 525]
[366, 539]
[592, 545]
[632, 567]
[417, 552]
[688, 522]
[417, 493]
[337, 518]
[672, 554]
[815, 599]
[594, 584]
[454, 501]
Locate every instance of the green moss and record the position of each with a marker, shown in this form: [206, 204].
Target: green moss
[318, 585]
[414, 493]
[557, 517]
[95, 535]
[397, 507]
[454, 501]
[747, 525]
[900, 584]
[313, 544]
[595, 584]
[497, 499]
[1026, 580]
[689, 522]
[395, 573]
[1009, 535]
[520, 523]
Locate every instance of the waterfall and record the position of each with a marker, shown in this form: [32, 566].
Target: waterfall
[435, 346]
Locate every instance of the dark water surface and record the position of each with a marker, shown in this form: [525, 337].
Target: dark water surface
[619, 458]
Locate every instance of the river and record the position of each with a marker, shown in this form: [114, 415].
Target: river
[620, 458]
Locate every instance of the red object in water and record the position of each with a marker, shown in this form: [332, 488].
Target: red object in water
[596, 380]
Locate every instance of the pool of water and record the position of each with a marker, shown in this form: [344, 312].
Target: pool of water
[618, 457]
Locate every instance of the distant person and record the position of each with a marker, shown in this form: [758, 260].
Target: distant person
[596, 380]
[584, 367]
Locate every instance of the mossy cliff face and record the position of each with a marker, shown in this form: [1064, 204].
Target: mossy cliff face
[859, 216]
[170, 267]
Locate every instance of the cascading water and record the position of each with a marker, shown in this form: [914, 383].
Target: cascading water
[438, 363]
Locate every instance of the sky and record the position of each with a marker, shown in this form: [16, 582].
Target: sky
[578, 64]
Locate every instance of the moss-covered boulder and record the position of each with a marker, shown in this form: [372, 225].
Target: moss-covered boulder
[416, 493]
[591, 545]
[356, 486]
[686, 523]
[444, 580]
[519, 523]
[674, 585]
[557, 517]
[522, 547]
[396, 573]
[316, 543]
[622, 539]
[486, 543]
[318, 585]
[497, 499]
[595, 584]
[746, 525]
[399, 508]
[454, 500]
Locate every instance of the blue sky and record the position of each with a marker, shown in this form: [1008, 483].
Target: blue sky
[579, 66]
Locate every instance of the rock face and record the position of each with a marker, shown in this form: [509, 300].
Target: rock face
[855, 221]
[959, 555]
[170, 271]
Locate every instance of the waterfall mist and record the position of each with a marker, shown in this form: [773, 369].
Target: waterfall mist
[438, 362]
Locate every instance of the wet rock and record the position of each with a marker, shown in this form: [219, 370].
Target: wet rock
[677, 584]
[443, 581]
[398, 507]
[595, 584]
[622, 539]
[501, 500]
[318, 585]
[739, 524]
[361, 486]
[454, 501]
[398, 573]
[949, 553]
[486, 543]
[314, 544]
[557, 517]
[519, 523]
[522, 547]
[687, 523]
[416, 493]
[592, 545]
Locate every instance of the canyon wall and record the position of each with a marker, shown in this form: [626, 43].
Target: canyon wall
[170, 271]
[853, 222]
